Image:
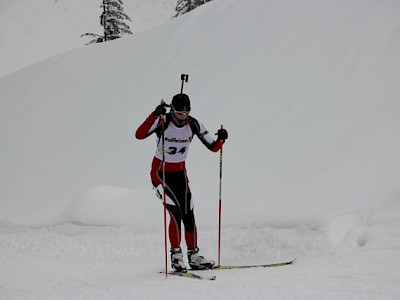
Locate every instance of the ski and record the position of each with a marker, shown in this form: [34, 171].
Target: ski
[232, 267]
[227, 267]
[191, 275]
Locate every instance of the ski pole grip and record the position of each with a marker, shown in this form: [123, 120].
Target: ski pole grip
[222, 127]
[164, 103]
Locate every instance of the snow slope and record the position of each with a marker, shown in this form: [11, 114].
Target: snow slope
[31, 31]
[308, 92]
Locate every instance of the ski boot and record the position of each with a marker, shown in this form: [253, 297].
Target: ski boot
[177, 263]
[197, 262]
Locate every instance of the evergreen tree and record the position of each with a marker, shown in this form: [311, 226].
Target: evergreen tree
[184, 6]
[113, 21]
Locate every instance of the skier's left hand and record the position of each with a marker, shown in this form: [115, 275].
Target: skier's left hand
[222, 134]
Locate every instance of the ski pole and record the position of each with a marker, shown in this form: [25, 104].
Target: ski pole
[184, 78]
[220, 205]
[164, 193]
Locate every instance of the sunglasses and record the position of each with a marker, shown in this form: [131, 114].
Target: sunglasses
[182, 113]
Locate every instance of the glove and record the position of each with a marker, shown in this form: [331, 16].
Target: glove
[160, 109]
[222, 134]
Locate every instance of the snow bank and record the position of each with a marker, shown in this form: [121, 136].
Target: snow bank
[110, 205]
[55, 26]
[310, 101]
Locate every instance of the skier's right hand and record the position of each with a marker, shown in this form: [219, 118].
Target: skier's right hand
[160, 109]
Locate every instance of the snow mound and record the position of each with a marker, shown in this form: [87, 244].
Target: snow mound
[110, 205]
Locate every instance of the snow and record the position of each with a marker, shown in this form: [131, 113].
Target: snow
[309, 95]
[31, 31]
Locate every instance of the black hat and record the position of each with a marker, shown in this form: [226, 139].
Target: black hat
[180, 102]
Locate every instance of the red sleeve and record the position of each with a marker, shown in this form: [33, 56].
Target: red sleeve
[143, 129]
[218, 145]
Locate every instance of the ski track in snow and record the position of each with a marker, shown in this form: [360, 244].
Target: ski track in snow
[72, 261]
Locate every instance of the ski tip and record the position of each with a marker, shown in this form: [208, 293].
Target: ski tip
[289, 262]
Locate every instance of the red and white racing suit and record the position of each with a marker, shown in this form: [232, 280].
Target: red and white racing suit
[177, 139]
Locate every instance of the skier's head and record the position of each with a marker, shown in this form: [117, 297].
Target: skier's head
[180, 102]
[180, 108]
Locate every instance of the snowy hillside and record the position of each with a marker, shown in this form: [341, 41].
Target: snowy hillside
[309, 95]
[31, 31]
